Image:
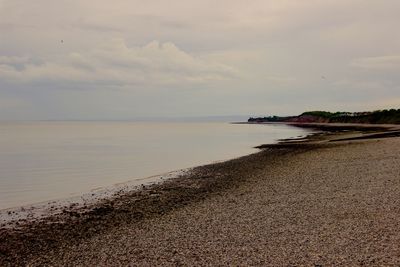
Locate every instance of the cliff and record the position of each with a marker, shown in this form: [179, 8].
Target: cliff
[391, 116]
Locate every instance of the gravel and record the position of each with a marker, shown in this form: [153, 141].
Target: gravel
[323, 204]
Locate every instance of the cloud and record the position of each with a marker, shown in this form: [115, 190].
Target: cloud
[382, 63]
[114, 63]
[247, 57]
[11, 60]
[11, 103]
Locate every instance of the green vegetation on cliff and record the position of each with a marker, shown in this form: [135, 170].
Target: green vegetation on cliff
[391, 116]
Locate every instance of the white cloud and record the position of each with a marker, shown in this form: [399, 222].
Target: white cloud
[256, 56]
[11, 103]
[383, 63]
[114, 63]
[11, 60]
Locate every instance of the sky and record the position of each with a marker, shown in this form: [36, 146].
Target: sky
[127, 59]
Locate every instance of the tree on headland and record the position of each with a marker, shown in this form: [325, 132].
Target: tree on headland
[388, 116]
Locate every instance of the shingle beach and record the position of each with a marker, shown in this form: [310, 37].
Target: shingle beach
[332, 201]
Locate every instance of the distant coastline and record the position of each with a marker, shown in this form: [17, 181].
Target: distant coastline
[387, 116]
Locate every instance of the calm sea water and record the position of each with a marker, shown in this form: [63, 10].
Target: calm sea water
[41, 161]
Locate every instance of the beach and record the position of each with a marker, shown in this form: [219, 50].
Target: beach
[46, 161]
[330, 200]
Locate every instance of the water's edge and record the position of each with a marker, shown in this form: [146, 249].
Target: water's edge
[43, 209]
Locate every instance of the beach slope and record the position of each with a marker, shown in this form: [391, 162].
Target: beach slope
[331, 203]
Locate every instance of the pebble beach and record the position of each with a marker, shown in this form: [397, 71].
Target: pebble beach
[331, 200]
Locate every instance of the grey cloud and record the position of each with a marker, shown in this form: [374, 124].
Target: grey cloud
[382, 63]
[115, 63]
[241, 57]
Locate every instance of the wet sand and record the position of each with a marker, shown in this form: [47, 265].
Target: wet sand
[331, 200]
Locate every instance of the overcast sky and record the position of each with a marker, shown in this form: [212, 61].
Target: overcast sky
[124, 59]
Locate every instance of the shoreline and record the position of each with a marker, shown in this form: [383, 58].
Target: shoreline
[41, 209]
[119, 169]
[153, 201]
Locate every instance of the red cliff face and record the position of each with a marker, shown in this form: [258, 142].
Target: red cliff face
[308, 119]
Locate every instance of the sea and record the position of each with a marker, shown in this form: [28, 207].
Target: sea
[47, 160]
